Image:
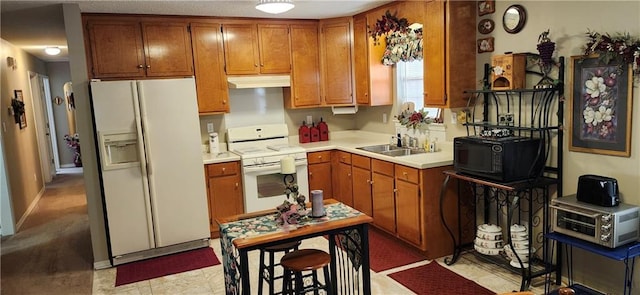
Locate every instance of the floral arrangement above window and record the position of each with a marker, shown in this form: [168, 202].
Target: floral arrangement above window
[404, 42]
[403, 46]
[620, 46]
[415, 119]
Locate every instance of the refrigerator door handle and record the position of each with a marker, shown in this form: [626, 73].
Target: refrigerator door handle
[143, 159]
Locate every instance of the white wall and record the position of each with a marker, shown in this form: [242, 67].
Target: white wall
[59, 74]
[568, 22]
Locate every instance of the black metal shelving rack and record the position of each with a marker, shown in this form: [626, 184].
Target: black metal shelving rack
[532, 110]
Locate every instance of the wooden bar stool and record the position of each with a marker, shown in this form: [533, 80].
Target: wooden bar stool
[306, 260]
[267, 271]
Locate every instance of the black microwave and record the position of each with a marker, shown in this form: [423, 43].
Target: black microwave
[503, 159]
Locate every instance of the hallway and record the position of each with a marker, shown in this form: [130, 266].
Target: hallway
[51, 253]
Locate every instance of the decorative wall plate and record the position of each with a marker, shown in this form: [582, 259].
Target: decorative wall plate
[486, 26]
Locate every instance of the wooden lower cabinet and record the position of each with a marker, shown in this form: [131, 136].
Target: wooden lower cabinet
[224, 187]
[408, 209]
[320, 173]
[361, 177]
[383, 195]
[342, 179]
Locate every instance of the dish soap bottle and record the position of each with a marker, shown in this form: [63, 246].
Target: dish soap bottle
[304, 134]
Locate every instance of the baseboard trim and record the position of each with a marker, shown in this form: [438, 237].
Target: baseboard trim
[32, 206]
[101, 264]
[70, 170]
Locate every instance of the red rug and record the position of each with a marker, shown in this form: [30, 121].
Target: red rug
[165, 265]
[387, 253]
[436, 279]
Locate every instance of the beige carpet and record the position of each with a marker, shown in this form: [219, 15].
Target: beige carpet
[51, 253]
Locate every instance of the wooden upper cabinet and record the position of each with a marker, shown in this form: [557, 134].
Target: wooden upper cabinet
[373, 80]
[335, 57]
[275, 51]
[449, 66]
[257, 49]
[116, 48]
[208, 59]
[360, 59]
[305, 68]
[167, 48]
[241, 49]
[128, 48]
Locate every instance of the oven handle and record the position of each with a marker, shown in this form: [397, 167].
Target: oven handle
[275, 167]
[592, 215]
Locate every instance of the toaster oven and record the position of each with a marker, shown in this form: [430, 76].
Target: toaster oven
[607, 226]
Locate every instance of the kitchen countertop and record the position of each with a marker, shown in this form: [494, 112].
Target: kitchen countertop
[349, 141]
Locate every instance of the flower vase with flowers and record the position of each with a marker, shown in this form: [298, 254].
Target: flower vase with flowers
[291, 212]
[415, 119]
[73, 143]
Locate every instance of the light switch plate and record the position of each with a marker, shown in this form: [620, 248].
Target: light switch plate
[309, 120]
[209, 127]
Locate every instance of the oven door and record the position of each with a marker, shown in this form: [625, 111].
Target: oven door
[264, 185]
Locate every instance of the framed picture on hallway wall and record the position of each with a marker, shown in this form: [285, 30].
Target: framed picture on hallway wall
[22, 115]
[600, 106]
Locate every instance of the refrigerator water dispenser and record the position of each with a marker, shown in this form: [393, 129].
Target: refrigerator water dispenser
[119, 150]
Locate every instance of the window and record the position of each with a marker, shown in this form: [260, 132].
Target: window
[411, 86]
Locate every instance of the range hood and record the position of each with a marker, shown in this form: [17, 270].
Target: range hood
[259, 81]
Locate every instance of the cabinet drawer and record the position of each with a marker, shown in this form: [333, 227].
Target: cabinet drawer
[382, 167]
[361, 161]
[407, 173]
[222, 169]
[344, 157]
[319, 157]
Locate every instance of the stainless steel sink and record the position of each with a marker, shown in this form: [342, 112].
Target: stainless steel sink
[380, 148]
[391, 150]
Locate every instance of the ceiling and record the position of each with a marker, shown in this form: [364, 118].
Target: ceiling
[34, 25]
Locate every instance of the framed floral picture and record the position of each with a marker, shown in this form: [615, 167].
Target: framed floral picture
[485, 45]
[486, 7]
[600, 106]
[18, 108]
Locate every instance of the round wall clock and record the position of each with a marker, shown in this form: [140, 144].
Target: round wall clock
[514, 18]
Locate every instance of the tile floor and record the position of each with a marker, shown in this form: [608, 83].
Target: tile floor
[210, 280]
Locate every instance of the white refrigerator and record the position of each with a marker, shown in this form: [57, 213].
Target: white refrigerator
[152, 174]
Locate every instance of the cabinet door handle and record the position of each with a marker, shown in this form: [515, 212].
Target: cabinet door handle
[255, 65]
[237, 185]
[404, 173]
[320, 157]
[224, 101]
[349, 175]
[140, 66]
[262, 65]
[223, 169]
[395, 190]
[148, 66]
[310, 173]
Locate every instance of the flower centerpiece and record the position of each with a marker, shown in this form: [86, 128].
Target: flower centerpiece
[619, 46]
[415, 119]
[73, 143]
[291, 212]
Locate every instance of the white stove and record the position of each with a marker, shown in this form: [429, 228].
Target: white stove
[261, 148]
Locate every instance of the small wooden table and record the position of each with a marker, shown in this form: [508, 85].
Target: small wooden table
[346, 228]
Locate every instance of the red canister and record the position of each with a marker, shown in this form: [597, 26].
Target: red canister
[304, 134]
[315, 133]
[324, 130]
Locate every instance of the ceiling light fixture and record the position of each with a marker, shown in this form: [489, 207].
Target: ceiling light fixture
[274, 6]
[55, 50]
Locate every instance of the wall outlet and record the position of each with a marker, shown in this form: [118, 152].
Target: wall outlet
[210, 127]
[384, 117]
[309, 120]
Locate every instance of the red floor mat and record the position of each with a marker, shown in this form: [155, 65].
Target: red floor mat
[387, 253]
[436, 279]
[165, 265]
